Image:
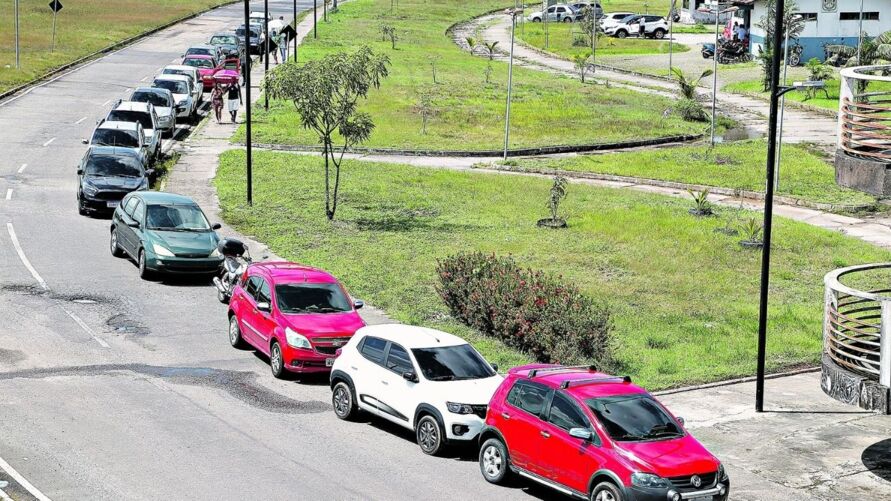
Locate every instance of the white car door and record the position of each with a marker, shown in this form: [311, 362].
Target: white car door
[366, 369]
[399, 386]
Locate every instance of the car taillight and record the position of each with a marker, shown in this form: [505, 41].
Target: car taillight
[337, 352]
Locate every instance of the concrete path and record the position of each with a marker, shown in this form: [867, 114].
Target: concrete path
[800, 126]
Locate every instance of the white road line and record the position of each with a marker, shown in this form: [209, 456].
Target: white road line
[22, 168]
[24, 258]
[48, 142]
[23, 481]
[4, 496]
[86, 328]
[128, 90]
[80, 121]
[9, 194]
[105, 103]
[144, 79]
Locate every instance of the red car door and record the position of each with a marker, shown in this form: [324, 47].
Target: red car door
[521, 423]
[570, 461]
[263, 319]
[250, 318]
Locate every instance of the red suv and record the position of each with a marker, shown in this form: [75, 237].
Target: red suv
[594, 436]
[297, 315]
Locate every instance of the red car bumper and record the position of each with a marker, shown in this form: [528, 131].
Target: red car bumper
[306, 361]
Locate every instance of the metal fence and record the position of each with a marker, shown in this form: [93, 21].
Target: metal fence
[864, 117]
[857, 325]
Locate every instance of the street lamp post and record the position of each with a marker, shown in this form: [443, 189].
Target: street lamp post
[776, 181]
[717, 10]
[315, 19]
[17, 34]
[247, 99]
[266, 49]
[860, 33]
[670, 35]
[510, 78]
[295, 30]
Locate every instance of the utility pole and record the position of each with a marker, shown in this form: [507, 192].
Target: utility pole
[17, 64]
[860, 33]
[670, 35]
[266, 49]
[717, 10]
[768, 203]
[510, 78]
[295, 30]
[247, 100]
[776, 176]
[315, 18]
[544, 16]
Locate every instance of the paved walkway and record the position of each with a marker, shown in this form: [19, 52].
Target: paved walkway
[800, 126]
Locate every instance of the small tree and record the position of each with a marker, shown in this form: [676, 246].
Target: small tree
[555, 197]
[791, 22]
[426, 108]
[435, 58]
[490, 49]
[384, 30]
[817, 72]
[589, 26]
[388, 32]
[580, 61]
[488, 71]
[471, 44]
[688, 107]
[325, 93]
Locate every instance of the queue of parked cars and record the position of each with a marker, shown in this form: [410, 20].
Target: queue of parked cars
[616, 24]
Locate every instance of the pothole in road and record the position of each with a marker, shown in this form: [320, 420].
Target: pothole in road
[239, 384]
[11, 357]
[25, 290]
[123, 324]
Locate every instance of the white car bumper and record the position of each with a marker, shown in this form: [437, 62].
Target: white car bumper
[463, 427]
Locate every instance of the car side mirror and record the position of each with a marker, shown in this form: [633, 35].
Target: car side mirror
[495, 367]
[133, 224]
[80, 171]
[681, 420]
[582, 433]
[358, 303]
[410, 376]
[264, 306]
[85, 141]
[150, 172]
[216, 226]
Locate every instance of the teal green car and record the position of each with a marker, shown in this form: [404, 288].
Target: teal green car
[165, 233]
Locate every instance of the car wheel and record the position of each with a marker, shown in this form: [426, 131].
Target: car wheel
[567, 19]
[81, 209]
[494, 463]
[116, 250]
[621, 34]
[430, 435]
[222, 296]
[144, 272]
[536, 19]
[606, 491]
[660, 34]
[276, 361]
[235, 338]
[343, 402]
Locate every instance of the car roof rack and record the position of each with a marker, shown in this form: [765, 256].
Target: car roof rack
[595, 380]
[583, 368]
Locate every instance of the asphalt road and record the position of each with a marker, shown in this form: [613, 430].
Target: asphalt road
[116, 388]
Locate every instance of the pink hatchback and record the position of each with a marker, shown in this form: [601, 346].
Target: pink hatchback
[297, 315]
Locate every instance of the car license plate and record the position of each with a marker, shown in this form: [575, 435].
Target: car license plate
[113, 205]
[329, 362]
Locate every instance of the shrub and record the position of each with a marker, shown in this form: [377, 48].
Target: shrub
[526, 309]
[691, 111]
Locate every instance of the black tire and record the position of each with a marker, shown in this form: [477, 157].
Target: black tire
[222, 296]
[344, 401]
[277, 361]
[116, 250]
[621, 34]
[659, 34]
[430, 436]
[235, 338]
[494, 461]
[536, 19]
[144, 272]
[606, 491]
[81, 209]
[567, 19]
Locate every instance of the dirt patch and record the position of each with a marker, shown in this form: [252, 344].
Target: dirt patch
[11, 357]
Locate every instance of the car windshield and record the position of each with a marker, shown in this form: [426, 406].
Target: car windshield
[224, 40]
[198, 63]
[173, 86]
[115, 137]
[240, 32]
[112, 166]
[199, 51]
[632, 418]
[628, 19]
[132, 116]
[311, 298]
[231, 64]
[176, 218]
[152, 97]
[452, 363]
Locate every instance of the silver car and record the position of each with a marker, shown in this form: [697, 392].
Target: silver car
[162, 101]
[182, 89]
[121, 135]
[144, 114]
[559, 13]
[191, 72]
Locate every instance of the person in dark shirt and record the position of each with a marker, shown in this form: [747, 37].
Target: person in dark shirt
[234, 97]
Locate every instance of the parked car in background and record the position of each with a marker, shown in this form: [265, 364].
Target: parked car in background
[207, 66]
[165, 233]
[188, 71]
[184, 93]
[296, 315]
[255, 37]
[612, 19]
[213, 51]
[105, 175]
[559, 13]
[428, 381]
[581, 6]
[144, 114]
[163, 103]
[121, 135]
[654, 27]
[229, 44]
[594, 436]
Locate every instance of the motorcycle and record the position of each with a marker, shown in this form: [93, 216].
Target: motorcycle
[729, 51]
[237, 258]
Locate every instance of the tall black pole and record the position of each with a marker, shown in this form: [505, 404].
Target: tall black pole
[315, 18]
[247, 98]
[295, 30]
[266, 49]
[778, 30]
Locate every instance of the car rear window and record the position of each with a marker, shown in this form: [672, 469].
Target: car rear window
[373, 349]
[154, 98]
[528, 397]
[172, 85]
[132, 116]
[115, 137]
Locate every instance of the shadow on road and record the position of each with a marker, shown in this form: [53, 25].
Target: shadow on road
[877, 459]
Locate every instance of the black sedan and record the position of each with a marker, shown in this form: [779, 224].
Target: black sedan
[105, 175]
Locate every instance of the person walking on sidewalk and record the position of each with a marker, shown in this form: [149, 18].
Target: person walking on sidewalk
[234, 96]
[283, 44]
[274, 41]
[216, 99]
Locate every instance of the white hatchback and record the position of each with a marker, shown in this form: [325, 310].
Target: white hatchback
[428, 381]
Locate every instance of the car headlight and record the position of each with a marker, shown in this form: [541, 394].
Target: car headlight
[161, 250]
[648, 480]
[459, 408]
[297, 340]
[215, 253]
[89, 189]
[722, 475]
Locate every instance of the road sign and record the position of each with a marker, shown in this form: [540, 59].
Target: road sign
[55, 5]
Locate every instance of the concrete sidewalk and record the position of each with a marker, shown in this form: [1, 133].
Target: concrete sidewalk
[804, 446]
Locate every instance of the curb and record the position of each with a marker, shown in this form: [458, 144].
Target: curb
[517, 152]
[729, 382]
[101, 52]
[717, 190]
[791, 104]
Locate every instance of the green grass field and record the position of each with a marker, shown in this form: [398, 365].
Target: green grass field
[738, 165]
[684, 297]
[469, 113]
[754, 88]
[82, 27]
[561, 36]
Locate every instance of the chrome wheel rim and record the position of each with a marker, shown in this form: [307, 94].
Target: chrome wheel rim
[233, 330]
[427, 435]
[114, 241]
[341, 400]
[492, 461]
[276, 358]
[142, 262]
[605, 496]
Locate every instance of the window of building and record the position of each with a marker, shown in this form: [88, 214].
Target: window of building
[808, 16]
[855, 16]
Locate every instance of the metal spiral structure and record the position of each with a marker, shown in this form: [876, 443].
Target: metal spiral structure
[864, 118]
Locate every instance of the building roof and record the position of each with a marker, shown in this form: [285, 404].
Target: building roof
[410, 336]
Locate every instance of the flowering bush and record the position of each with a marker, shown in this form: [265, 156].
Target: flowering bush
[528, 310]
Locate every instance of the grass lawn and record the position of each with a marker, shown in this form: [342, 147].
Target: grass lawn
[684, 297]
[82, 27]
[561, 35]
[754, 88]
[546, 109]
[738, 165]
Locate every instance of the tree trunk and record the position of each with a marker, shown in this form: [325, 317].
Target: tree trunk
[336, 178]
[328, 212]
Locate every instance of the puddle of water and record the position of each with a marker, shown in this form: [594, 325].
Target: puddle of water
[741, 134]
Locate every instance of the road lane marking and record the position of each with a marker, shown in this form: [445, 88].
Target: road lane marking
[48, 142]
[85, 327]
[24, 258]
[144, 79]
[22, 168]
[80, 121]
[23, 481]
[9, 194]
[105, 103]
[128, 90]
[4, 496]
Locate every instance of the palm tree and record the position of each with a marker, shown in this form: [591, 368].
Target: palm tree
[872, 51]
[688, 85]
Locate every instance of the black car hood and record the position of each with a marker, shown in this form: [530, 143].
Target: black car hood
[114, 183]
